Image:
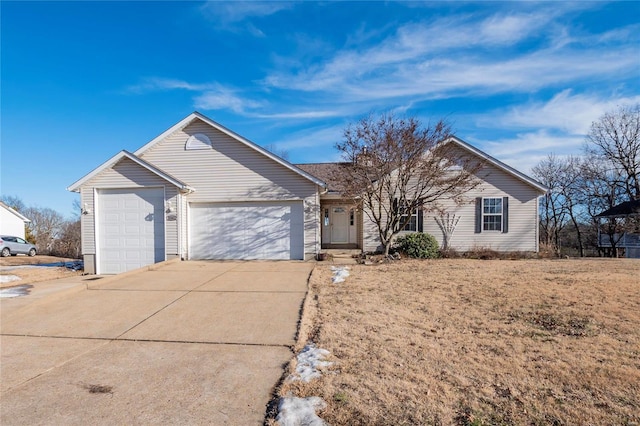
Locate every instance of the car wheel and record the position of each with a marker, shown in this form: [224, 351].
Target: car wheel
[32, 252]
[5, 252]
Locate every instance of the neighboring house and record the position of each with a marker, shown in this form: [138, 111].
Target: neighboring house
[628, 241]
[201, 191]
[11, 222]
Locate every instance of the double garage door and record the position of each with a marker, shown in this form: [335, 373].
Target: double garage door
[256, 230]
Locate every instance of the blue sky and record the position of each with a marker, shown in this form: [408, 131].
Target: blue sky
[81, 81]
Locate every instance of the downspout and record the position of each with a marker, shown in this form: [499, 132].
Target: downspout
[179, 223]
[319, 220]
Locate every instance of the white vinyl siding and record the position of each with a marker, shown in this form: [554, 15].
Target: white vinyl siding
[125, 174]
[494, 183]
[233, 172]
[522, 216]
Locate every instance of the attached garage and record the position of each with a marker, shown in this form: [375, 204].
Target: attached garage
[130, 228]
[249, 230]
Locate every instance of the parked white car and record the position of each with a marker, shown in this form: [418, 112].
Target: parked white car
[11, 246]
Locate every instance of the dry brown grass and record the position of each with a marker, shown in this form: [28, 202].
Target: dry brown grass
[33, 275]
[472, 342]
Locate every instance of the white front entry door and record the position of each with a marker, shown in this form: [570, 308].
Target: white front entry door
[339, 225]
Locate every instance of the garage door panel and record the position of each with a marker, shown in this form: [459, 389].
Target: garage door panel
[246, 231]
[131, 228]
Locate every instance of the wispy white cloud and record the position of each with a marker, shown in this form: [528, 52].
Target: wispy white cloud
[565, 112]
[525, 150]
[237, 11]
[458, 56]
[155, 84]
[301, 114]
[222, 98]
[236, 15]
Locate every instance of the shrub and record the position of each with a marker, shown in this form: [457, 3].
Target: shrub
[418, 245]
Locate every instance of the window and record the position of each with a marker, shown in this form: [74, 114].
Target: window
[492, 214]
[198, 141]
[412, 216]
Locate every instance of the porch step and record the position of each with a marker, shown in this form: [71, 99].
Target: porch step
[342, 256]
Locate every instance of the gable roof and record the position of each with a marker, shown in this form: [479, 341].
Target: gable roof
[197, 116]
[499, 164]
[75, 187]
[623, 209]
[326, 172]
[10, 210]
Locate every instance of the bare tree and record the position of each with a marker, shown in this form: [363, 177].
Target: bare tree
[601, 191]
[572, 190]
[14, 202]
[45, 225]
[396, 166]
[68, 242]
[553, 209]
[615, 140]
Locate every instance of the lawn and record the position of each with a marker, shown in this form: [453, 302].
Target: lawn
[477, 342]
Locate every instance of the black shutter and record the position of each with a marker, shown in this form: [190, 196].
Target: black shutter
[505, 215]
[420, 219]
[478, 215]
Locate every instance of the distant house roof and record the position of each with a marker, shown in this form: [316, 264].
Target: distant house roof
[326, 172]
[21, 217]
[623, 209]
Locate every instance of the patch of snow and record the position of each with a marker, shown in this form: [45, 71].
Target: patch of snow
[8, 278]
[340, 273]
[17, 291]
[309, 360]
[294, 411]
[11, 268]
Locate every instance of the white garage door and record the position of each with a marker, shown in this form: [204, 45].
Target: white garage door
[262, 230]
[130, 229]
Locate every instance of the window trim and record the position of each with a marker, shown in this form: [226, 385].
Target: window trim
[500, 215]
[414, 214]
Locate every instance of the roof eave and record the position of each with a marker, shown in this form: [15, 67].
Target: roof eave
[75, 187]
[15, 213]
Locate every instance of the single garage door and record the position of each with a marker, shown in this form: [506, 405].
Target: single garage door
[260, 230]
[130, 229]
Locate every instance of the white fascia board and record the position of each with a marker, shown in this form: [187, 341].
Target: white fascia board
[14, 212]
[75, 187]
[499, 164]
[196, 115]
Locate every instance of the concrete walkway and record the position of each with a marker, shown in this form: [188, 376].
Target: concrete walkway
[187, 343]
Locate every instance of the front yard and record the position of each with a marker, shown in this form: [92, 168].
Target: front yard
[19, 270]
[473, 342]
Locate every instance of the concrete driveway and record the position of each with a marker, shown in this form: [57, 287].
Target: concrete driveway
[186, 343]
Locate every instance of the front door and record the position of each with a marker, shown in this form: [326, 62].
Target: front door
[339, 225]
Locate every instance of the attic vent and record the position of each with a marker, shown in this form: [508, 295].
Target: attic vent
[198, 141]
